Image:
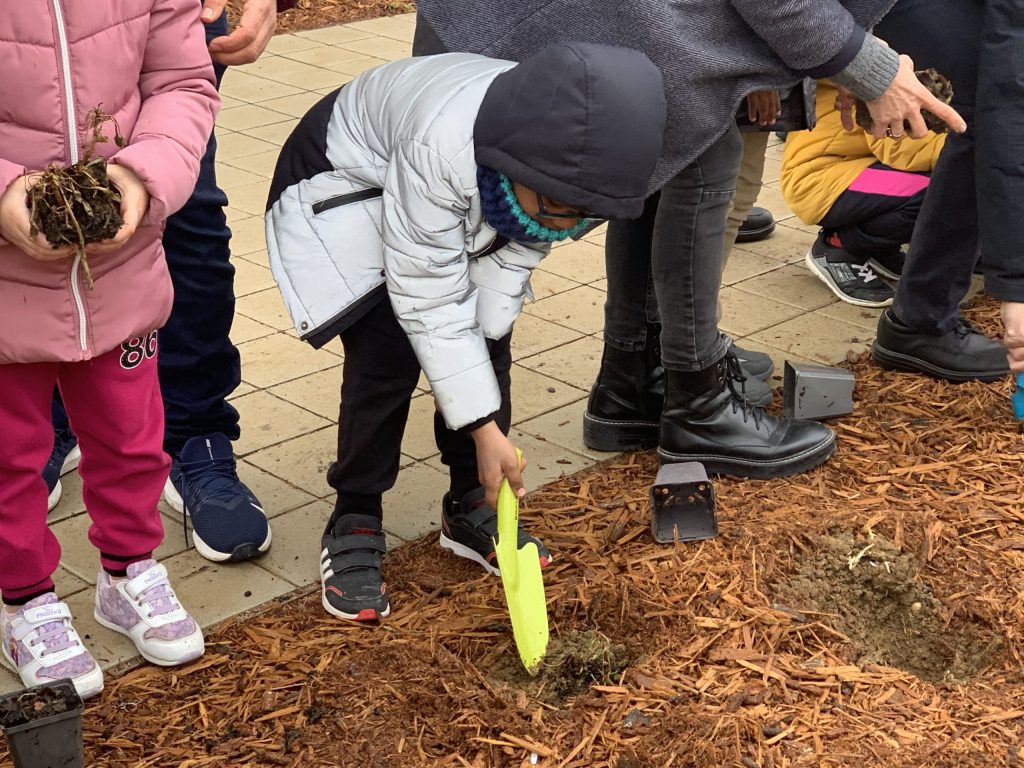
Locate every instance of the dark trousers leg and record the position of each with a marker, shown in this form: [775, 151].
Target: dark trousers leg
[378, 380]
[686, 255]
[942, 34]
[458, 451]
[1000, 148]
[666, 265]
[870, 223]
[199, 366]
[630, 304]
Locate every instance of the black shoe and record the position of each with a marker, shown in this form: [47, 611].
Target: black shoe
[469, 528]
[625, 402]
[63, 458]
[889, 265]
[707, 420]
[352, 585]
[962, 354]
[758, 225]
[756, 364]
[849, 278]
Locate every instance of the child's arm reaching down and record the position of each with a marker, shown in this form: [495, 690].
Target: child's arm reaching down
[179, 104]
[427, 272]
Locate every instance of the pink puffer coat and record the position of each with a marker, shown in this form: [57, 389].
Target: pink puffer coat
[145, 62]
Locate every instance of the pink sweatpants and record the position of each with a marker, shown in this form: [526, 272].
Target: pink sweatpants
[114, 406]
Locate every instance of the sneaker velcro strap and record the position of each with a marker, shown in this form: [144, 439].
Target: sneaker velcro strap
[348, 560]
[44, 614]
[481, 516]
[355, 541]
[151, 577]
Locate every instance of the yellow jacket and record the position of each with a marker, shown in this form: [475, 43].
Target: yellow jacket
[819, 165]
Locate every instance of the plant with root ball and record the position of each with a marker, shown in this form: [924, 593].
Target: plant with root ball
[78, 204]
[936, 84]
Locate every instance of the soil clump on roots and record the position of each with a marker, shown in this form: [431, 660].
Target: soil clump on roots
[78, 204]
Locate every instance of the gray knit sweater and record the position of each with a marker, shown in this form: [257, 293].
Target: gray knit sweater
[712, 53]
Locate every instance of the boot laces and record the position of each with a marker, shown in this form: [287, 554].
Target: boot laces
[964, 328]
[732, 373]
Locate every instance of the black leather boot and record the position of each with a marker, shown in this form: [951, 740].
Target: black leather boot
[706, 419]
[625, 402]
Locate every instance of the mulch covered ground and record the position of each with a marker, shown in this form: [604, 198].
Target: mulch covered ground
[314, 14]
[785, 641]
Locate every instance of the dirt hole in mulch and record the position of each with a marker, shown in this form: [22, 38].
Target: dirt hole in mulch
[574, 662]
[874, 596]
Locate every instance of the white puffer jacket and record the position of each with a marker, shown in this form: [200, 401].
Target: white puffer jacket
[376, 189]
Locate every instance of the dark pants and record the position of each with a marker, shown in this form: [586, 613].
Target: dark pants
[378, 381]
[199, 366]
[876, 215]
[667, 264]
[977, 179]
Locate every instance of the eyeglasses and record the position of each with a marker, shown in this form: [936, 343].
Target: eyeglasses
[543, 212]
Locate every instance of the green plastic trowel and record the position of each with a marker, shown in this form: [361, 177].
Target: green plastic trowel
[524, 585]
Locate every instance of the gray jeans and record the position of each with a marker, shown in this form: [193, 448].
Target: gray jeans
[667, 264]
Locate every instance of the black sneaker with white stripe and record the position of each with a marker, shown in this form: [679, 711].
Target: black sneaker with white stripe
[469, 528]
[847, 276]
[351, 556]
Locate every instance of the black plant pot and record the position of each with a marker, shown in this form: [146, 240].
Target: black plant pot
[43, 726]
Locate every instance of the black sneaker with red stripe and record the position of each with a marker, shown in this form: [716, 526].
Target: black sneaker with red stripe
[469, 528]
[352, 585]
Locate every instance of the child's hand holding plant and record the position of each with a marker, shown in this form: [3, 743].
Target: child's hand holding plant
[134, 202]
[16, 226]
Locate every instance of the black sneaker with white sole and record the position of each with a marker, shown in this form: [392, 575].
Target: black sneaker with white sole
[847, 276]
[351, 578]
[889, 265]
[469, 528]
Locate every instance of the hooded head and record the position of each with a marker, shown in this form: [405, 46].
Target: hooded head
[578, 123]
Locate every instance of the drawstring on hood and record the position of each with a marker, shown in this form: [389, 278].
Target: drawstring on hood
[579, 123]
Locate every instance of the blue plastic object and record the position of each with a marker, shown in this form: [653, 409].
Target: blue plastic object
[1018, 396]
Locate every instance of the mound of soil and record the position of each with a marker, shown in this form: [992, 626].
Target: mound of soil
[572, 665]
[871, 593]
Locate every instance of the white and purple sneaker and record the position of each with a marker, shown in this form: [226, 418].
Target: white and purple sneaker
[40, 643]
[145, 608]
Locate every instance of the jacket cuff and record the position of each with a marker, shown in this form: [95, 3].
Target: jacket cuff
[842, 59]
[475, 425]
[468, 397]
[870, 73]
[286, 5]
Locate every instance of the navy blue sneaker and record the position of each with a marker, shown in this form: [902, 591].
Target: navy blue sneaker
[63, 458]
[228, 522]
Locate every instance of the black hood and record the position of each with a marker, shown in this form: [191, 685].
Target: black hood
[580, 123]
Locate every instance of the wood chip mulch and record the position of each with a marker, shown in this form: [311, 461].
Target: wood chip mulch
[314, 14]
[723, 660]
